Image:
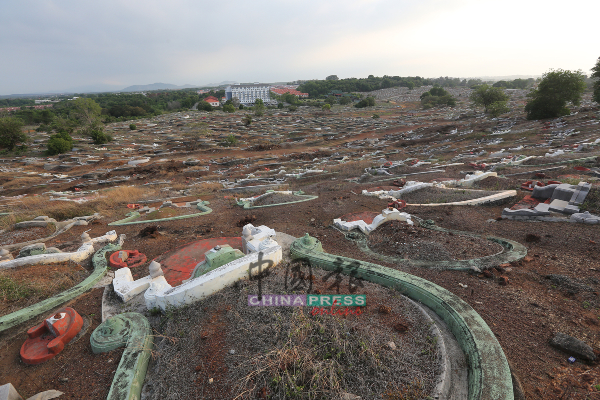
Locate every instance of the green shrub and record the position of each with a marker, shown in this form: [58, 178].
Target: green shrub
[60, 143]
[132, 127]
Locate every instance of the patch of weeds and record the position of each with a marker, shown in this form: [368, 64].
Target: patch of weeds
[12, 291]
[156, 311]
[586, 305]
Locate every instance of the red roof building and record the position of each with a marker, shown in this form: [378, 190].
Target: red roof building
[213, 101]
[290, 91]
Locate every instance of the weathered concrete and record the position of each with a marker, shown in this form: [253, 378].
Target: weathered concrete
[131, 330]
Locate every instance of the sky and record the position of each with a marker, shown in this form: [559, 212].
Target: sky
[62, 45]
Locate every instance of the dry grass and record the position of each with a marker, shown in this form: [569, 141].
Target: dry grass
[106, 202]
[313, 362]
[352, 168]
[23, 182]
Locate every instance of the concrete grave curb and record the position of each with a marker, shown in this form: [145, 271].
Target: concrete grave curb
[100, 266]
[131, 330]
[132, 216]
[513, 251]
[247, 203]
[489, 373]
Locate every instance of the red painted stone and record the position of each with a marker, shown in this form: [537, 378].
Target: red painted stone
[49, 338]
[178, 264]
[134, 259]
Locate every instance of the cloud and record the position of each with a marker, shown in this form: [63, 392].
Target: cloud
[58, 44]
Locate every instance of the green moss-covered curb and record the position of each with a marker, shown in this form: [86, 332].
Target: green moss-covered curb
[513, 251]
[131, 330]
[489, 373]
[24, 314]
[247, 204]
[135, 215]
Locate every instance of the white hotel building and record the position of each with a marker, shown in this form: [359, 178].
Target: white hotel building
[247, 94]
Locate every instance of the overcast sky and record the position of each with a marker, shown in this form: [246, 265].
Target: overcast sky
[50, 45]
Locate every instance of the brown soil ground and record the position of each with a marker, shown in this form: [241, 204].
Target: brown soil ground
[76, 371]
[23, 286]
[168, 212]
[555, 289]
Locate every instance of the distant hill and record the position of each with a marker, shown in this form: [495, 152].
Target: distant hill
[156, 86]
[224, 83]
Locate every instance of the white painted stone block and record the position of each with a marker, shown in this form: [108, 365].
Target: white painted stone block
[125, 287]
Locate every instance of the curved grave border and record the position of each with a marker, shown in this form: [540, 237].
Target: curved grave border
[247, 204]
[66, 225]
[574, 160]
[100, 266]
[495, 198]
[489, 372]
[132, 216]
[513, 251]
[131, 330]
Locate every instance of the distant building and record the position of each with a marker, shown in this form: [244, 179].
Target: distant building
[213, 101]
[248, 93]
[281, 91]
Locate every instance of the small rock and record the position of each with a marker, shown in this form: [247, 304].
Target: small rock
[210, 380]
[503, 281]
[528, 259]
[392, 345]
[63, 379]
[232, 351]
[488, 274]
[573, 346]
[350, 396]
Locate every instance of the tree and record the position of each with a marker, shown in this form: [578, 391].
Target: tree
[259, 108]
[437, 96]
[345, 100]
[332, 78]
[555, 90]
[86, 111]
[247, 120]
[486, 95]
[11, 132]
[228, 108]
[596, 74]
[326, 107]
[60, 143]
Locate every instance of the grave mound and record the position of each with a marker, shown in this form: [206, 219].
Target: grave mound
[435, 195]
[266, 350]
[21, 287]
[398, 239]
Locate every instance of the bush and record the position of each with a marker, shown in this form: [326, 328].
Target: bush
[99, 137]
[375, 116]
[228, 108]
[368, 102]
[60, 143]
[241, 106]
[205, 106]
[229, 141]
[132, 127]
